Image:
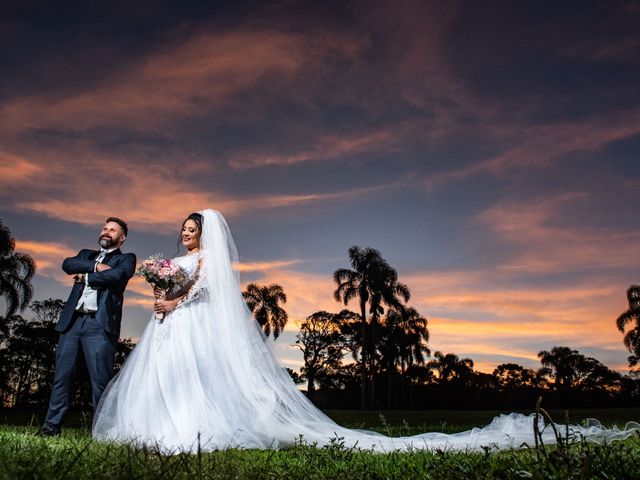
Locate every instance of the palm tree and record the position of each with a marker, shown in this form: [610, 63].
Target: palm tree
[387, 291]
[404, 343]
[563, 362]
[359, 283]
[632, 315]
[264, 303]
[16, 271]
[374, 282]
[451, 367]
[413, 338]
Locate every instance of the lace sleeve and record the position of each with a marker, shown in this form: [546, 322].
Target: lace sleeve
[197, 289]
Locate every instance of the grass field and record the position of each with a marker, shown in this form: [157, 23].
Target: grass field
[75, 455]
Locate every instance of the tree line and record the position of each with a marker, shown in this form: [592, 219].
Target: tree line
[375, 357]
[378, 357]
[407, 377]
[27, 358]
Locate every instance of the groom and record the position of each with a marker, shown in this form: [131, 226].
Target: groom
[90, 319]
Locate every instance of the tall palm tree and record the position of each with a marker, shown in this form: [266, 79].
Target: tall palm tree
[373, 282]
[16, 271]
[359, 283]
[632, 315]
[387, 291]
[264, 302]
[404, 343]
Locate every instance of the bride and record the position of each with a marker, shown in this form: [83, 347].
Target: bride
[204, 377]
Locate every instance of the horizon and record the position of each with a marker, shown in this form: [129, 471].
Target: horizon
[489, 152]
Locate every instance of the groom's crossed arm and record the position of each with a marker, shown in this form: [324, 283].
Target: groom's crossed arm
[79, 264]
[118, 275]
[112, 277]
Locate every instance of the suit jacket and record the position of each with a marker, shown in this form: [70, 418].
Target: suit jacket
[109, 284]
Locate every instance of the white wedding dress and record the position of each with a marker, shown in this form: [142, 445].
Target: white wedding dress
[205, 378]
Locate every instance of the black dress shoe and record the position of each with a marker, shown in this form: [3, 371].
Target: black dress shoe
[47, 432]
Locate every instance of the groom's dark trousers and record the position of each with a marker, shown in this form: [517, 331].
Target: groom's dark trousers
[94, 333]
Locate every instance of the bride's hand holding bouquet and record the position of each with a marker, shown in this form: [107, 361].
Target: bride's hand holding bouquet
[166, 277]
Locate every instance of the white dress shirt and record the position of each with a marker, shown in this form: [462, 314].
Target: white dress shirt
[88, 301]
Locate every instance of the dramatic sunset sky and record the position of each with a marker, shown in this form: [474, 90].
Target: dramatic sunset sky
[489, 150]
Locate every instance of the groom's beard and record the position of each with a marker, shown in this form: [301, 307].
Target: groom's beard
[106, 242]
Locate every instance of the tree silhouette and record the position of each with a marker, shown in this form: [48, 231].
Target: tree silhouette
[632, 315]
[388, 292]
[592, 375]
[7, 388]
[563, 362]
[322, 346]
[264, 303]
[351, 329]
[374, 282]
[16, 271]
[512, 375]
[571, 369]
[47, 311]
[27, 358]
[41, 332]
[30, 349]
[359, 283]
[419, 375]
[405, 335]
[125, 346]
[295, 376]
[451, 368]
[403, 344]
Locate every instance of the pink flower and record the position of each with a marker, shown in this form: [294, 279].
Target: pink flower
[163, 273]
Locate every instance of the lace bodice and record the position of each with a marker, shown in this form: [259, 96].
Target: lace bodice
[189, 263]
[197, 285]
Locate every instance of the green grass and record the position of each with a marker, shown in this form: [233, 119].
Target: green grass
[76, 455]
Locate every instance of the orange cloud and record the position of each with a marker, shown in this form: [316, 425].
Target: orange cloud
[473, 313]
[14, 168]
[204, 70]
[48, 257]
[541, 244]
[265, 266]
[306, 293]
[139, 286]
[327, 146]
[149, 198]
[183, 79]
[540, 146]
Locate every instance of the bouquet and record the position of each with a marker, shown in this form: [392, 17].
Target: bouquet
[163, 274]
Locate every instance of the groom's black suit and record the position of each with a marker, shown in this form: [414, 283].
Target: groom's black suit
[95, 332]
[110, 285]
